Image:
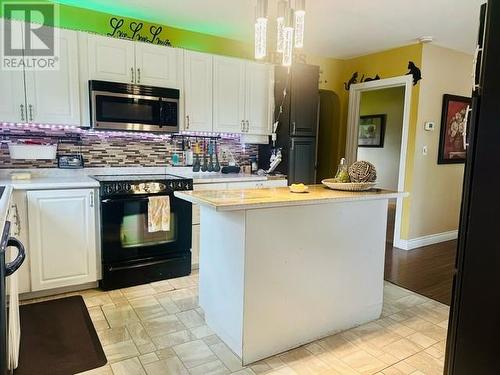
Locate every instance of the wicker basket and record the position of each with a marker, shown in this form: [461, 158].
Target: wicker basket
[348, 186]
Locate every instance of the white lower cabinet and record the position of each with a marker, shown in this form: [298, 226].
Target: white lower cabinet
[62, 238]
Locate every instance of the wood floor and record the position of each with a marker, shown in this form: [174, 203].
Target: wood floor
[427, 270]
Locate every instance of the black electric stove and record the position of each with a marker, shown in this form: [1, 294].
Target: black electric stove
[131, 253]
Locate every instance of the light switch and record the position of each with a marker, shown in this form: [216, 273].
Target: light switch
[424, 150]
[429, 126]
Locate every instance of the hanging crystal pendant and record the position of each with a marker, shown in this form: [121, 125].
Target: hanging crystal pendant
[280, 23]
[300, 15]
[261, 29]
[288, 38]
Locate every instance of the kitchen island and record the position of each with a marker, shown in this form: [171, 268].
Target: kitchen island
[279, 270]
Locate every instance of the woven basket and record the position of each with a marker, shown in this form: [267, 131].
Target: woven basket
[349, 186]
[362, 171]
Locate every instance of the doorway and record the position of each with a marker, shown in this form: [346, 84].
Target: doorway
[380, 148]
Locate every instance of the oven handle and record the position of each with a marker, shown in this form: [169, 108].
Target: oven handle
[111, 200]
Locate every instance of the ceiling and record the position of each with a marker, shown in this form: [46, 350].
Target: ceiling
[334, 28]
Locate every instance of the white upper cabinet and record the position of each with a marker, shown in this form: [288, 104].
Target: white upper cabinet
[158, 65]
[111, 59]
[12, 101]
[258, 98]
[62, 238]
[229, 94]
[53, 96]
[198, 91]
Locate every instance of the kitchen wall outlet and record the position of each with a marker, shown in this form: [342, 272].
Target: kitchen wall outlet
[424, 150]
[429, 126]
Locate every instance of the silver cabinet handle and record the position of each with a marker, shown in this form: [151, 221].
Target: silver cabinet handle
[92, 199]
[248, 125]
[138, 75]
[132, 74]
[17, 220]
[466, 121]
[474, 68]
[242, 126]
[293, 127]
[187, 121]
[22, 111]
[30, 107]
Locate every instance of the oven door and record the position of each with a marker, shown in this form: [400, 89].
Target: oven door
[125, 234]
[132, 112]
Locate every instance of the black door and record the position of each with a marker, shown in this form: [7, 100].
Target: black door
[302, 160]
[474, 329]
[304, 98]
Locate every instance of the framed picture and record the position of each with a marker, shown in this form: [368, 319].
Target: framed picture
[371, 131]
[453, 126]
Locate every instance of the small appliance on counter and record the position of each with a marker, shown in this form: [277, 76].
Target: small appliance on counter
[135, 250]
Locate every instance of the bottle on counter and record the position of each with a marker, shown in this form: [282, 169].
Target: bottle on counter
[253, 161]
[342, 174]
[189, 155]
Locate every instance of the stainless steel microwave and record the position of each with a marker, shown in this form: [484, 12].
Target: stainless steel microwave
[122, 106]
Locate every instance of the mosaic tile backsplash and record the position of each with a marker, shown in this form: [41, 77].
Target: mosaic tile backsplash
[108, 149]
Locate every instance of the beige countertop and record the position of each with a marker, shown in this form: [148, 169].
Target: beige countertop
[232, 200]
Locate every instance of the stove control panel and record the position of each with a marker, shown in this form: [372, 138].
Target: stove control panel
[110, 188]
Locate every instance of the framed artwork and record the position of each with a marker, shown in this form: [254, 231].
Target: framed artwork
[371, 131]
[453, 126]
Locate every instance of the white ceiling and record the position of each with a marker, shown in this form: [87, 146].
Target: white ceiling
[334, 28]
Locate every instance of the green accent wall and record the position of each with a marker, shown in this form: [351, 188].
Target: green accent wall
[94, 21]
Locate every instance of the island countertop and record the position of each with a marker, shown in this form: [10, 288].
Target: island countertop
[233, 200]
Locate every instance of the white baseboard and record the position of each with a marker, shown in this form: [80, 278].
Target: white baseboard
[427, 240]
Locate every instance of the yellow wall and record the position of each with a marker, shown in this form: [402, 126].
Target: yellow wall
[437, 189]
[386, 64]
[81, 19]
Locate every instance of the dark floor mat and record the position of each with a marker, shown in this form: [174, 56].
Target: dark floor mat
[58, 338]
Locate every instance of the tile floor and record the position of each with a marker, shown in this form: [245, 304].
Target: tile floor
[159, 328]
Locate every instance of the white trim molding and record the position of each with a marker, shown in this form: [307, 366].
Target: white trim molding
[355, 92]
[432, 239]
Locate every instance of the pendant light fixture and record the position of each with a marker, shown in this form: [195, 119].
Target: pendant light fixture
[261, 29]
[290, 28]
[300, 15]
[280, 23]
[288, 38]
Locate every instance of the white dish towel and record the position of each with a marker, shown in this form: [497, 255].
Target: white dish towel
[159, 213]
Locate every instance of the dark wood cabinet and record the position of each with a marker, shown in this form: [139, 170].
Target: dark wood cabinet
[304, 98]
[298, 121]
[302, 166]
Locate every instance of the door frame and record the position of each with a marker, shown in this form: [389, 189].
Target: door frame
[355, 92]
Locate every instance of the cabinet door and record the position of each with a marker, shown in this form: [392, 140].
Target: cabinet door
[198, 91]
[62, 238]
[12, 100]
[229, 94]
[258, 94]
[302, 167]
[53, 96]
[304, 100]
[111, 59]
[158, 65]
